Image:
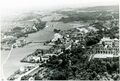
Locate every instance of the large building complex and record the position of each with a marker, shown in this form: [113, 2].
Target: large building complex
[106, 48]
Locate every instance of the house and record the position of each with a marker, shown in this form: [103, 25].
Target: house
[20, 42]
[7, 38]
[46, 57]
[34, 27]
[83, 30]
[106, 48]
[116, 42]
[22, 69]
[36, 58]
[106, 41]
[31, 79]
[103, 52]
[56, 37]
[109, 42]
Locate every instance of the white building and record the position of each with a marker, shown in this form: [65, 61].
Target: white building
[36, 59]
[31, 79]
[109, 42]
[56, 37]
[110, 48]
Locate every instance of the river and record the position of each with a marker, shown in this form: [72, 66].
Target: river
[13, 63]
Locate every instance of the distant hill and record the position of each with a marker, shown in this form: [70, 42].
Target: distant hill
[90, 13]
[89, 9]
[75, 14]
[96, 8]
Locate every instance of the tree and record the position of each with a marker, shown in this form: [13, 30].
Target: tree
[56, 30]
[57, 75]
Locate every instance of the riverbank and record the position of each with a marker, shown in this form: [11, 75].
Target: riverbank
[17, 54]
[13, 62]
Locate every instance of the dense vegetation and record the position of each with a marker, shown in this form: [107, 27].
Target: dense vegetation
[93, 13]
[85, 16]
[74, 64]
[18, 31]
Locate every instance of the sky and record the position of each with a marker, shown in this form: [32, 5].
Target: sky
[8, 7]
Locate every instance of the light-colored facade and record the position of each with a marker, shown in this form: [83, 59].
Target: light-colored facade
[110, 48]
[56, 37]
[110, 42]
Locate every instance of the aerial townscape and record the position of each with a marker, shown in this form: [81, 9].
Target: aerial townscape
[65, 44]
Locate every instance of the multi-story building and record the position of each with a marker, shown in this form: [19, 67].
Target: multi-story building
[106, 48]
[109, 42]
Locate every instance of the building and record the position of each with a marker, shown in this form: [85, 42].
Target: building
[106, 48]
[56, 37]
[109, 42]
[20, 42]
[36, 58]
[31, 79]
[116, 42]
[34, 27]
[103, 52]
[46, 57]
[83, 30]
